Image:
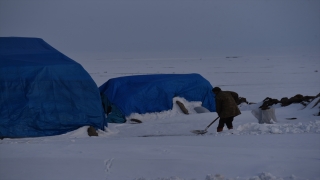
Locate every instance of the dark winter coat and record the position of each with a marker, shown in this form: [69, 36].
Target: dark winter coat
[226, 105]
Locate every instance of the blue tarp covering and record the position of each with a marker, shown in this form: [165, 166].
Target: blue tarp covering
[154, 93]
[43, 92]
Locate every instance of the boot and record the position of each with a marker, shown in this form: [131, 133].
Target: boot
[230, 128]
[219, 129]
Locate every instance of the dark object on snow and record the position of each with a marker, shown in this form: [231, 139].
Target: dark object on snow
[136, 120]
[242, 100]
[291, 118]
[284, 101]
[304, 100]
[182, 107]
[267, 102]
[92, 131]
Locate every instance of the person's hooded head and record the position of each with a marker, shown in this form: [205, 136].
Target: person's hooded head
[216, 90]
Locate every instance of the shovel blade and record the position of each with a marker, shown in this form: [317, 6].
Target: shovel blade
[199, 131]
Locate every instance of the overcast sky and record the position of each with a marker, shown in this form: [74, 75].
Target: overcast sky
[163, 25]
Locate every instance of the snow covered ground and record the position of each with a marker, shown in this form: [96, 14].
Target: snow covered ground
[163, 148]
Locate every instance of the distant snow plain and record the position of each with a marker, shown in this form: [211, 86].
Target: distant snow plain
[162, 146]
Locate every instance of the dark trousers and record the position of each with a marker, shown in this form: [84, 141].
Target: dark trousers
[227, 121]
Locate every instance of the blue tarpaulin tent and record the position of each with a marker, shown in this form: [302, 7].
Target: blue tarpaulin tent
[153, 93]
[43, 92]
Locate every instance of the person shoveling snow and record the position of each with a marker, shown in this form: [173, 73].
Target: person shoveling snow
[226, 107]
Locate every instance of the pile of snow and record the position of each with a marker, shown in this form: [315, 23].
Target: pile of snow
[256, 129]
[170, 113]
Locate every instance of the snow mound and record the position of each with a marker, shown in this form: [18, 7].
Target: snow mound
[255, 128]
[170, 113]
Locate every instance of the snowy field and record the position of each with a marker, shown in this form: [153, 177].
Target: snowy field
[163, 148]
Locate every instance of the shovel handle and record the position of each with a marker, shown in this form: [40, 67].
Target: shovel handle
[212, 123]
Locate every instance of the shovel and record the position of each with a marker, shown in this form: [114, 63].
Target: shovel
[205, 130]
